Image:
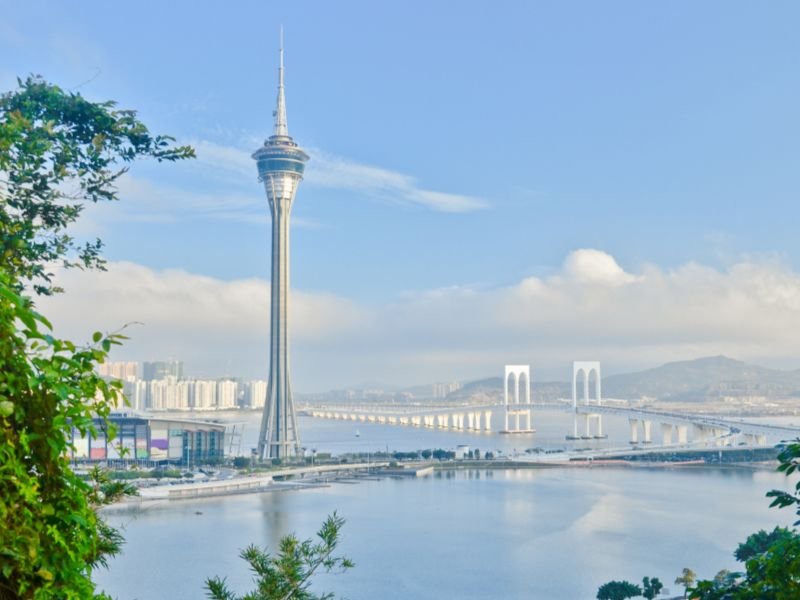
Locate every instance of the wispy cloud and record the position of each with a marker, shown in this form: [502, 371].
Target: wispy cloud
[221, 185]
[145, 200]
[330, 171]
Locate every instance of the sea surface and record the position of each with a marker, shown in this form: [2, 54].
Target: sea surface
[336, 437]
[478, 533]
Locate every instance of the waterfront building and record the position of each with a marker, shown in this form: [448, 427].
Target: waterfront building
[281, 163]
[205, 394]
[138, 394]
[171, 393]
[146, 440]
[163, 394]
[184, 391]
[256, 393]
[227, 394]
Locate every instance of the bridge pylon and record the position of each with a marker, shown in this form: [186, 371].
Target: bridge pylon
[586, 369]
[517, 405]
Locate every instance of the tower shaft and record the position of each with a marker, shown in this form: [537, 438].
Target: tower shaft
[281, 164]
[279, 435]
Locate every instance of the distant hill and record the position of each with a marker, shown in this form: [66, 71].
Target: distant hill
[696, 380]
[705, 378]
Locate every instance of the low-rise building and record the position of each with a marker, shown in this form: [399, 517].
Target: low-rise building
[151, 440]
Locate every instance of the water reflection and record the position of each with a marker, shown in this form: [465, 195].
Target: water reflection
[275, 520]
[547, 533]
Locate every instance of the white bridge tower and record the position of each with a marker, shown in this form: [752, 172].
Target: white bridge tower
[518, 403]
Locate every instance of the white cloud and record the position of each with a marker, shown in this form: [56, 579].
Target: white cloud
[595, 267]
[591, 309]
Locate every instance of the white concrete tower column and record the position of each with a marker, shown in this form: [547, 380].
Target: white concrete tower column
[281, 163]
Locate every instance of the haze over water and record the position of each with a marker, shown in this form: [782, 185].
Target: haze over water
[546, 533]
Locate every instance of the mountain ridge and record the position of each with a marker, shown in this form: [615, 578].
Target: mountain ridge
[695, 380]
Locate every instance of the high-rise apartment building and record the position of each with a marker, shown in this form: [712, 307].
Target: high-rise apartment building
[162, 369]
[205, 394]
[227, 394]
[125, 371]
[256, 393]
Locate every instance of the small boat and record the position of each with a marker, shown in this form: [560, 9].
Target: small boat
[358, 433]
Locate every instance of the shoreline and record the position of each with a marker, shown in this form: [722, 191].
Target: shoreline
[353, 474]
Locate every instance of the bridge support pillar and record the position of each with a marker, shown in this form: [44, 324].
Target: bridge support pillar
[648, 432]
[666, 434]
[487, 420]
[761, 440]
[699, 433]
[718, 433]
[683, 434]
[634, 423]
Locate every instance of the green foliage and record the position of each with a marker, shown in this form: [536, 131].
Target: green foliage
[51, 537]
[789, 460]
[618, 590]
[759, 542]
[287, 576]
[772, 560]
[57, 152]
[651, 587]
[165, 473]
[687, 579]
[771, 575]
[241, 462]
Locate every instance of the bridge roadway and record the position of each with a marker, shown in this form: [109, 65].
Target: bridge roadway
[706, 430]
[691, 418]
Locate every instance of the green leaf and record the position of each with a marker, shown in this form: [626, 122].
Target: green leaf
[6, 408]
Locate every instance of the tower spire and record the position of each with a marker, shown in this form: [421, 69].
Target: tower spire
[281, 126]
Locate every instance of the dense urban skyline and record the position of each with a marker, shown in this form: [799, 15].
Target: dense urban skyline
[636, 207]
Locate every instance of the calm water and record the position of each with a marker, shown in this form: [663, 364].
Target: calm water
[337, 437]
[556, 533]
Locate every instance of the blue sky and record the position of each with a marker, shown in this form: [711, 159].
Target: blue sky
[454, 151]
